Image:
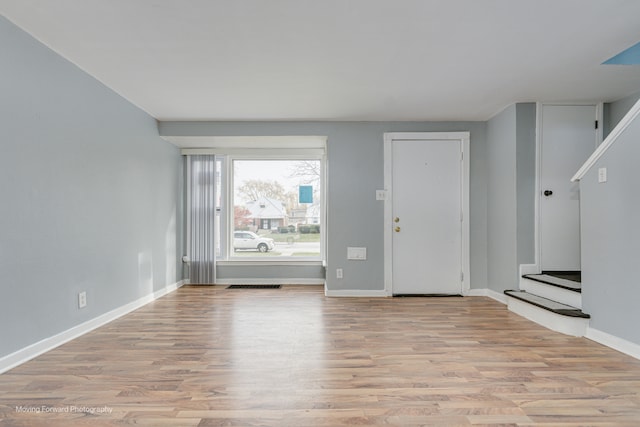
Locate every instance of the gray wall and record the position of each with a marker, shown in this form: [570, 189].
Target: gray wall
[501, 200]
[301, 272]
[510, 194]
[354, 171]
[611, 239]
[615, 111]
[526, 181]
[89, 196]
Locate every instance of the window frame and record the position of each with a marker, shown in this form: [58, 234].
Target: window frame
[228, 257]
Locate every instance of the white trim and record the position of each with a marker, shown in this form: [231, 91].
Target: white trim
[608, 142]
[611, 341]
[536, 200]
[216, 197]
[389, 137]
[25, 354]
[324, 229]
[274, 281]
[485, 292]
[226, 211]
[258, 155]
[223, 143]
[264, 153]
[387, 249]
[256, 261]
[575, 326]
[282, 262]
[529, 269]
[600, 119]
[554, 293]
[356, 293]
[187, 210]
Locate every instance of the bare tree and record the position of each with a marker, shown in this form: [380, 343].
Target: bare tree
[307, 170]
[255, 189]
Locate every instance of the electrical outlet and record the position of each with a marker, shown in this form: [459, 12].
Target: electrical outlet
[82, 299]
[339, 273]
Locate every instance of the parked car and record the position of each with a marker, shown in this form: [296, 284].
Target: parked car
[250, 240]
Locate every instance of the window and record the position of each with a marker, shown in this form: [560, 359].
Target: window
[277, 208]
[269, 189]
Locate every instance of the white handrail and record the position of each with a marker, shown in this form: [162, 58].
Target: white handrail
[608, 142]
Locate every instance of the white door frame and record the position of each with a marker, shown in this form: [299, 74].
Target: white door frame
[389, 138]
[537, 267]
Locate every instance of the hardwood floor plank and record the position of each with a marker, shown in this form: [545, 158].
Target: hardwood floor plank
[207, 356]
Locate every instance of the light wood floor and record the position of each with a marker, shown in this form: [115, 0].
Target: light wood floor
[208, 356]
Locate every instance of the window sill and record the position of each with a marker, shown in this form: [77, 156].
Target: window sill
[250, 261]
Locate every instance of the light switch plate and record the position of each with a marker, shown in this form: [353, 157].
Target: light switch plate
[602, 174]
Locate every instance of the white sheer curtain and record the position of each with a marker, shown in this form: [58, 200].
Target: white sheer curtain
[202, 213]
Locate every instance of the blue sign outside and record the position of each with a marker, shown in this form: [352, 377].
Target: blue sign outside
[305, 194]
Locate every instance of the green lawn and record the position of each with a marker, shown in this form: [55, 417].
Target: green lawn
[297, 237]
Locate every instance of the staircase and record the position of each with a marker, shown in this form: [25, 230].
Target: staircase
[552, 299]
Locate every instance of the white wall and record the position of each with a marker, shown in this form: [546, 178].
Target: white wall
[88, 196]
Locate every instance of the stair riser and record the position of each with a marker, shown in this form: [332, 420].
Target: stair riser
[551, 292]
[574, 326]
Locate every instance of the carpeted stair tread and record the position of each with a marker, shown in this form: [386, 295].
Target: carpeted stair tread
[553, 280]
[547, 304]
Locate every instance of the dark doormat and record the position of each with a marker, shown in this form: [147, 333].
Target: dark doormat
[426, 295]
[253, 286]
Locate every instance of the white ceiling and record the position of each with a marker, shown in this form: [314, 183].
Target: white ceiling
[341, 59]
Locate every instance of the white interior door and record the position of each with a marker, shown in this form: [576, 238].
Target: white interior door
[568, 138]
[426, 192]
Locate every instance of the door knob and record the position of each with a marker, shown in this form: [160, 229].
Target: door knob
[547, 193]
[397, 229]
[396, 219]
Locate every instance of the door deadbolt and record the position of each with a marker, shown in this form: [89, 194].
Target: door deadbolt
[548, 193]
[397, 229]
[396, 219]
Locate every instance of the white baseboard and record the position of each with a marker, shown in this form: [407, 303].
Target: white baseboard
[616, 343]
[23, 355]
[259, 281]
[487, 293]
[358, 293]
